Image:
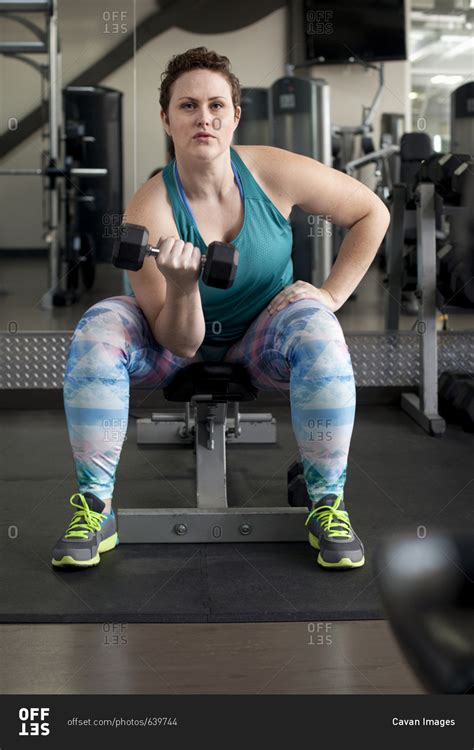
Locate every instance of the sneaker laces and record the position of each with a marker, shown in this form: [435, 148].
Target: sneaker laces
[333, 521]
[84, 520]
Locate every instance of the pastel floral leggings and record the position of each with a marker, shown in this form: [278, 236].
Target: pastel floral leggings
[301, 348]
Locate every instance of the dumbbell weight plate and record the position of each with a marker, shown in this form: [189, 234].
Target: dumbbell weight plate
[451, 392]
[466, 407]
[220, 268]
[130, 247]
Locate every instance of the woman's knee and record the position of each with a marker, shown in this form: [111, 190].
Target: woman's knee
[314, 334]
[320, 312]
[310, 319]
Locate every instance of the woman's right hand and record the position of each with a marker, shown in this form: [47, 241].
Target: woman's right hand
[180, 263]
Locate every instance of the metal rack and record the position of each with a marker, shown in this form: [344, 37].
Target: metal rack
[48, 43]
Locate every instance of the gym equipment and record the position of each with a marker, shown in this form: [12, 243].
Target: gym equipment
[455, 276]
[48, 44]
[208, 389]
[63, 266]
[392, 128]
[427, 589]
[254, 125]
[301, 123]
[456, 257]
[93, 117]
[219, 264]
[92, 216]
[440, 169]
[462, 118]
[344, 150]
[346, 134]
[447, 387]
[462, 180]
[401, 239]
[423, 408]
[456, 399]
[466, 407]
[430, 198]
[381, 158]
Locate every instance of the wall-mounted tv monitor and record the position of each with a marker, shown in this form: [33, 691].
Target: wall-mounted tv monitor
[338, 31]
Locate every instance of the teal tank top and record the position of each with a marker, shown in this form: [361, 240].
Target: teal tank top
[265, 266]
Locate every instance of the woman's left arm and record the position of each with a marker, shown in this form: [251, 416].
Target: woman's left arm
[356, 253]
[340, 199]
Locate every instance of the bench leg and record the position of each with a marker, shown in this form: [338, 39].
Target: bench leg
[210, 443]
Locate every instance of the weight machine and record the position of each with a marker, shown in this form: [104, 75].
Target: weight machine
[48, 43]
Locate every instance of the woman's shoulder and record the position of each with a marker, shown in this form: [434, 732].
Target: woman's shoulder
[265, 165]
[151, 189]
[151, 207]
[252, 156]
[267, 154]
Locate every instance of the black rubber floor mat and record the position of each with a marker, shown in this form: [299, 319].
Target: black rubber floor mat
[399, 480]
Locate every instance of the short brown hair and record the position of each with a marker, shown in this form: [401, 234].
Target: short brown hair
[198, 57]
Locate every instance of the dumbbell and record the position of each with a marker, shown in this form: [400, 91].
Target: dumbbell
[463, 181]
[466, 407]
[440, 169]
[219, 264]
[454, 275]
[456, 398]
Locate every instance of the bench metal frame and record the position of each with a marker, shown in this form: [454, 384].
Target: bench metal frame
[205, 424]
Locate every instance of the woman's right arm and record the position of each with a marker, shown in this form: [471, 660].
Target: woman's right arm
[175, 315]
[180, 326]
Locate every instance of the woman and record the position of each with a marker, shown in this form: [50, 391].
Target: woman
[284, 332]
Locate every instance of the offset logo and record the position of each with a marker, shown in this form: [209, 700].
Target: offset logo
[33, 721]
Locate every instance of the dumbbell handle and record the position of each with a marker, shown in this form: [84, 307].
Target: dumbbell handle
[155, 251]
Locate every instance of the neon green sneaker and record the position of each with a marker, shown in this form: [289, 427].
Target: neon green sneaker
[89, 533]
[331, 533]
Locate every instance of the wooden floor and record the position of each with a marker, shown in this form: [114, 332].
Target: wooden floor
[264, 658]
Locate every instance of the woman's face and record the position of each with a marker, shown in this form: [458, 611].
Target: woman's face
[201, 100]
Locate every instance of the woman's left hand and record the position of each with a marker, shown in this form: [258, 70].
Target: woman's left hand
[301, 290]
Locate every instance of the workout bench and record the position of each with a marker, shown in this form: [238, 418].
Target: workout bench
[207, 389]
